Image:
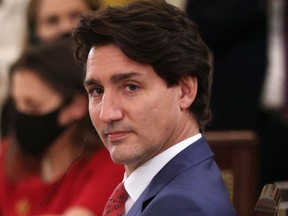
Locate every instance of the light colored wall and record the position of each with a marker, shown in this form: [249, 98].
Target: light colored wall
[12, 37]
[179, 3]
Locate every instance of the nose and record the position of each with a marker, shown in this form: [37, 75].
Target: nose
[67, 25]
[110, 108]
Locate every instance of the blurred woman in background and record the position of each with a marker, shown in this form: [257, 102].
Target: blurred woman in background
[53, 161]
[47, 20]
[51, 19]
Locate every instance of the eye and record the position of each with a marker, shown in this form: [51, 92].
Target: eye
[131, 87]
[95, 92]
[75, 15]
[52, 21]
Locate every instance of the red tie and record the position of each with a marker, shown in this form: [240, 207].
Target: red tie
[115, 205]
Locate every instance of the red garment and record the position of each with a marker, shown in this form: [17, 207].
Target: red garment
[88, 184]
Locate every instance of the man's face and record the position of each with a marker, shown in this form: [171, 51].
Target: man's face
[136, 115]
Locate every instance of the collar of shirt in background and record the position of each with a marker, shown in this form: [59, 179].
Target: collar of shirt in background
[136, 183]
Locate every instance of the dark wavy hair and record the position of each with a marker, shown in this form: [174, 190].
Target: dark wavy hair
[156, 33]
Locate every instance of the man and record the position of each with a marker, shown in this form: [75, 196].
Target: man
[148, 79]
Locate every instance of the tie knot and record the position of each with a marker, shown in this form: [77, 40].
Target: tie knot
[119, 195]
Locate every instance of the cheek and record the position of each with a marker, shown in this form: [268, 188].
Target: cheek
[47, 32]
[94, 115]
[157, 117]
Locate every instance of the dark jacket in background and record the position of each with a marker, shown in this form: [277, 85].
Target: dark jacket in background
[235, 31]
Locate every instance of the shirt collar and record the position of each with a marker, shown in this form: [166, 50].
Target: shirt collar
[136, 183]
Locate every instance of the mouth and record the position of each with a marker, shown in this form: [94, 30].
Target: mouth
[116, 136]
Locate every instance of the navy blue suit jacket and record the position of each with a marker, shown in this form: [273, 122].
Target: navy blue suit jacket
[189, 184]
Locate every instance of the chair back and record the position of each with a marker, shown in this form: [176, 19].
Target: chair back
[237, 155]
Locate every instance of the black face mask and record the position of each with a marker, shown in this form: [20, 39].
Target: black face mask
[35, 133]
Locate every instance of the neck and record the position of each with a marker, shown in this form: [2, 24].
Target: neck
[186, 128]
[58, 158]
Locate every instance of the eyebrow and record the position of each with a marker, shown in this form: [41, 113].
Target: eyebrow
[122, 76]
[114, 78]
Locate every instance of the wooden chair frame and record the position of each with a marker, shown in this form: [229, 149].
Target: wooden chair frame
[237, 155]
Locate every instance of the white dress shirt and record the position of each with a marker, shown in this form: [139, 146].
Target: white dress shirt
[136, 183]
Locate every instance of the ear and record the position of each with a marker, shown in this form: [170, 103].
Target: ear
[75, 111]
[188, 87]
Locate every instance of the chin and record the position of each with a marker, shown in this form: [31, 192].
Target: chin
[117, 160]
[115, 156]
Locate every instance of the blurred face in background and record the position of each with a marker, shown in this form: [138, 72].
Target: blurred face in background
[38, 108]
[32, 95]
[58, 17]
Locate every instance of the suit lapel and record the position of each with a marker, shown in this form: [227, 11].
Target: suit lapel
[191, 156]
